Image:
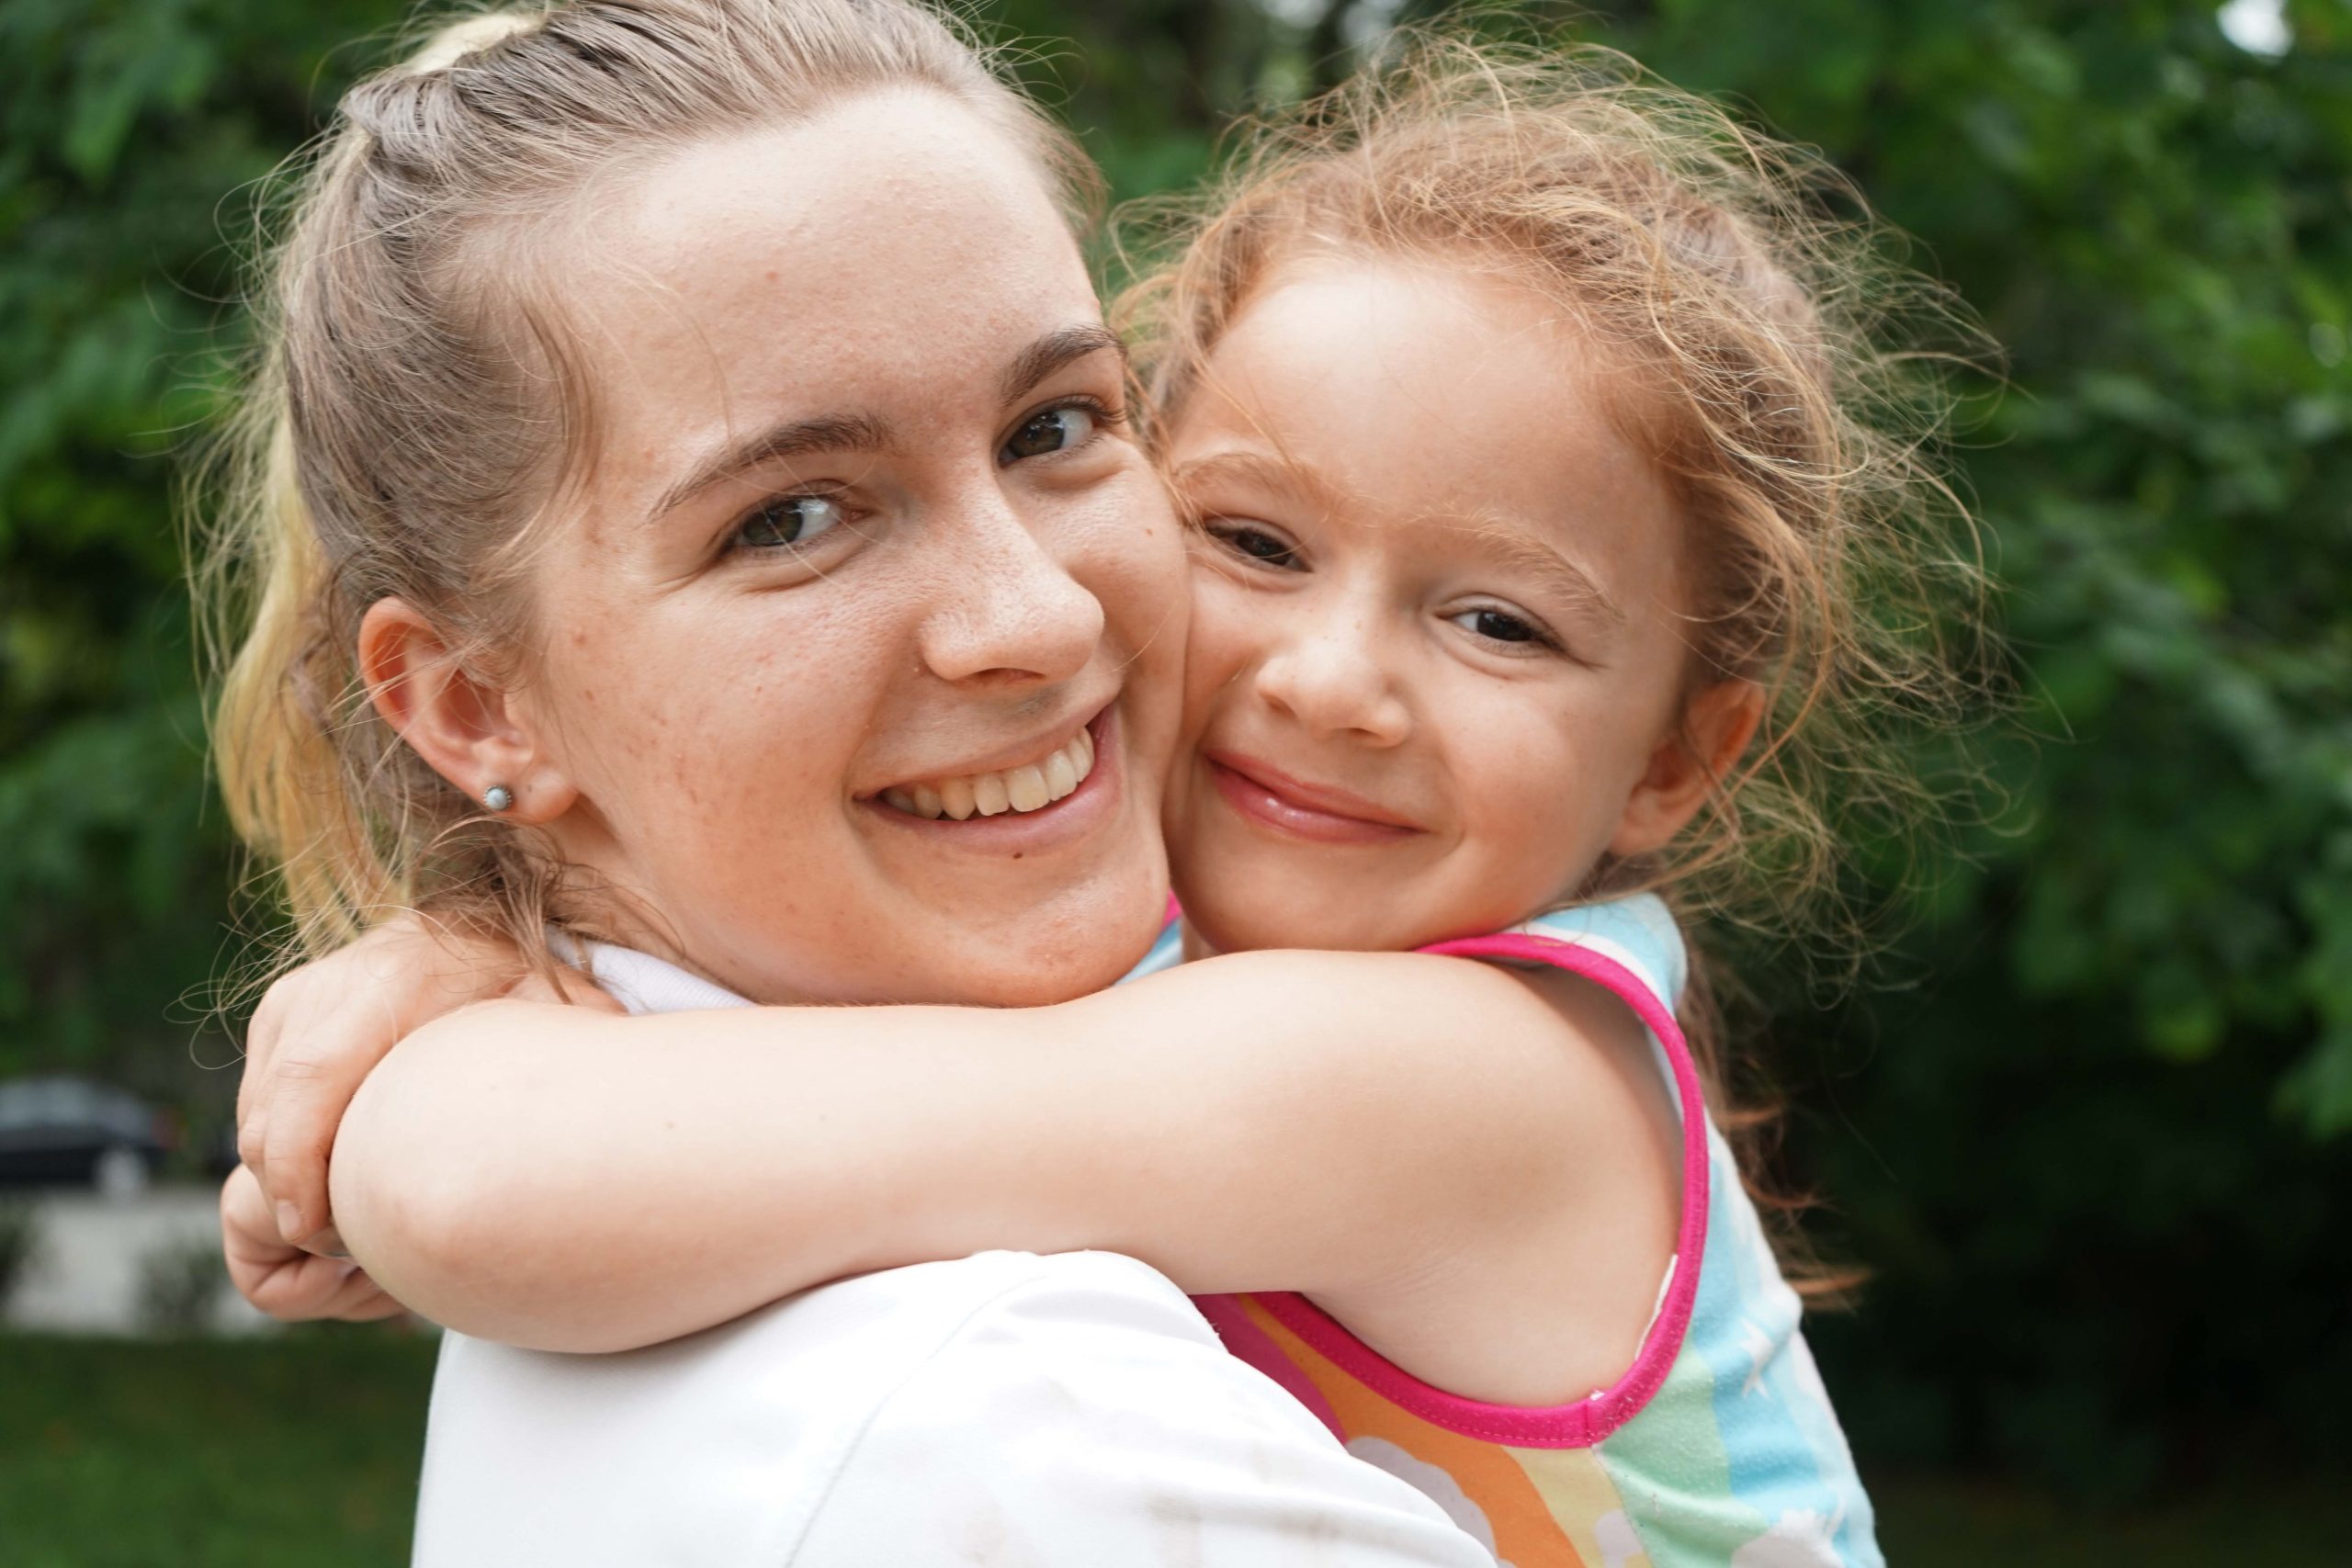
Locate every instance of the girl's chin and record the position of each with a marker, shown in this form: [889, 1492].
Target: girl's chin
[1247, 914]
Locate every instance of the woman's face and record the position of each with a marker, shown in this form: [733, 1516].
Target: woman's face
[865, 544]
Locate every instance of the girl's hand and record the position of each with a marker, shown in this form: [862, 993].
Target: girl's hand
[317, 1034]
[285, 1281]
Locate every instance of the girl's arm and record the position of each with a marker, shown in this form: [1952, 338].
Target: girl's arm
[1330, 1122]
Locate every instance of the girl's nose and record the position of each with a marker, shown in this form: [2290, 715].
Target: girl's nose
[1010, 612]
[1332, 680]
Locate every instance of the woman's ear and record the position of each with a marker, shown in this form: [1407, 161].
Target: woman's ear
[1696, 755]
[470, 733]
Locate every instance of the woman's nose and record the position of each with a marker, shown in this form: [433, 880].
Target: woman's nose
[1332, 680]
[1011, 611]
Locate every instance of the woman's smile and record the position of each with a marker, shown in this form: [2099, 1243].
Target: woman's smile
[1061, 795]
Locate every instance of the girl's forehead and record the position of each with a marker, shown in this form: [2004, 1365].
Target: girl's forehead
[1397, 391]
[1366, 351]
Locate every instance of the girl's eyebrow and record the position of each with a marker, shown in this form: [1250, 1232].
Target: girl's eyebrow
[1514, 546]
[1293, 479]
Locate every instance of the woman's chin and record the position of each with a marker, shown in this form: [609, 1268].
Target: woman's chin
[1078, 954]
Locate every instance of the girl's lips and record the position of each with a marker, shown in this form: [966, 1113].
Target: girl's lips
[1266, 796]
[1018, 834]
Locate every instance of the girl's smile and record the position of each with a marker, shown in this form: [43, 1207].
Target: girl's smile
[1319, 812]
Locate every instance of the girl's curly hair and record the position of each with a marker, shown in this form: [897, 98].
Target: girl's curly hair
[1770, 349]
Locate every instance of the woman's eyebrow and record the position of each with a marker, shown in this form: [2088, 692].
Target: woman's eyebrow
[794, 438]
[1053, 351]
[862, 433]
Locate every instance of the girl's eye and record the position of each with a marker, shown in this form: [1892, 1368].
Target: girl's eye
[789, 520]
[1501, 626]
[1255, 544]
[1054, 430]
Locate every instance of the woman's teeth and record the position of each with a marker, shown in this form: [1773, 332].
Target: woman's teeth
[989, 794]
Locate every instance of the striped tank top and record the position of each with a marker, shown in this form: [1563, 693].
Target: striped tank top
[1718, 1445]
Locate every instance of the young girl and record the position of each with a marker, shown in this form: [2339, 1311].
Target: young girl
[1542, 548]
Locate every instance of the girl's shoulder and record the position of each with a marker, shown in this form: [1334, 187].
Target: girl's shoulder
[1630, 947]
[1636, 934]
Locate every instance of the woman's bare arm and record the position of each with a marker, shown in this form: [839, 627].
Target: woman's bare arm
[1313, 1121]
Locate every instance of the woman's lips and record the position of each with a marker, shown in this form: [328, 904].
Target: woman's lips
[1318, 813]
[1048, 827]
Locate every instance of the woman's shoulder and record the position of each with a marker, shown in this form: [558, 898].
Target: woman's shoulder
[738, 1428]
[836, 1426]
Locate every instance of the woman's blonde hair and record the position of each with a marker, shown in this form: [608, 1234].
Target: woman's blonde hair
[1764, 345]
[416, 403]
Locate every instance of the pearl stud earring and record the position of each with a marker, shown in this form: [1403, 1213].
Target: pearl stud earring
[498, 797]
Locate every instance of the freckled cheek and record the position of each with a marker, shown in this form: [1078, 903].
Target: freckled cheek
[764, 724]
[1128, 552]
[1223, 642]
[735, 724]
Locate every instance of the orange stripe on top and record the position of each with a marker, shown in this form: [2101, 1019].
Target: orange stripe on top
[1526, 1533]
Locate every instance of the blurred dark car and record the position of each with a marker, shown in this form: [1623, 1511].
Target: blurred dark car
[71, 1132]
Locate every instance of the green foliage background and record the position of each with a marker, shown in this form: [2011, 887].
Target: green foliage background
[2091, 1139]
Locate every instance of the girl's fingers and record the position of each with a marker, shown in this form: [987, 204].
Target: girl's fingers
[288, 1012]
[311, 1082]
[295, 1289]
[282, 1280]
[311, 1288]
[249, 1237]
[287, 1283]
[320, 1032]
[382, 1307]
[262, 1035]
[359, 1300]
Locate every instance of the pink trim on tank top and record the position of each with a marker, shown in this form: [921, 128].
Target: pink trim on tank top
[1590, 1419]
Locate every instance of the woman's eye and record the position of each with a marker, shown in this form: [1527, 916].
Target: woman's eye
[789, 520]
[1501, 626]
[1256, 544]
[1055, 430]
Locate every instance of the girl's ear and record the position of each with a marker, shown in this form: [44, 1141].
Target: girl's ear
[1695, 757]
[470, 733]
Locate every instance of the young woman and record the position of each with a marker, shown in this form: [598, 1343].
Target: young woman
[546, 631]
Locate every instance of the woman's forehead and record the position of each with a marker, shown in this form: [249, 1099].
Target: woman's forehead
[894, 246]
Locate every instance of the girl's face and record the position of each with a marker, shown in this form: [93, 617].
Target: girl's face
[1436, 662]
[864, 533]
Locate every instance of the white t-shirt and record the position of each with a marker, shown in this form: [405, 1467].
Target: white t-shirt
[1073, 1411]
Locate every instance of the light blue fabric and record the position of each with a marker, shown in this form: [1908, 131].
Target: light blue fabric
[1166, 954]
[1783, 1455]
